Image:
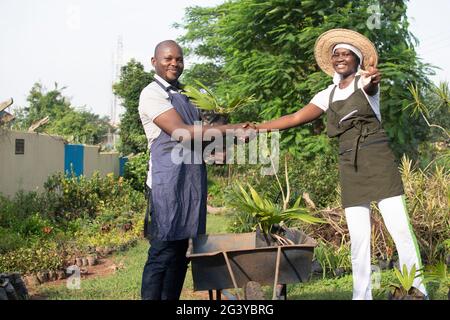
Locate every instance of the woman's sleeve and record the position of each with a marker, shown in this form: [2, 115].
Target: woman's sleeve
[321, 99]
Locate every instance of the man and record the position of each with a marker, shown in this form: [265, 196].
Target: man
[177, 191]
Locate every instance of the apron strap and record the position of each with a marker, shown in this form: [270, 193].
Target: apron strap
[356, 82]
[330, 101]
[148, 211]
[168, 88]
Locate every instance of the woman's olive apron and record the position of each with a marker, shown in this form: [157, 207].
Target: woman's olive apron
[179, 188]
[368, 169]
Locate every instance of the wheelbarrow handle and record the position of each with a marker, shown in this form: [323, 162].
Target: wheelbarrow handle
[231, 274]
[277, 273]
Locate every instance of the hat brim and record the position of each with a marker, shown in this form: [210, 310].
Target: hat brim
[327, 40]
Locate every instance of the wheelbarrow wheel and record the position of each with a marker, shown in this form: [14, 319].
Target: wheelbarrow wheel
[253, 291]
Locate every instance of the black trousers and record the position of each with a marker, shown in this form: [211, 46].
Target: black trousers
[165, 269]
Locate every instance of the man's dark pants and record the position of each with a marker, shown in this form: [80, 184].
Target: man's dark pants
[165, 269]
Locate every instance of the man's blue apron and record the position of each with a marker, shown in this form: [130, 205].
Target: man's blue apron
[179, 190]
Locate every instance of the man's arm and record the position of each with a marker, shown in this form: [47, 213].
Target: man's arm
[170, 122]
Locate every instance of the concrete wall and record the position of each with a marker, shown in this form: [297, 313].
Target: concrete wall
[43, 156]
[103, 162]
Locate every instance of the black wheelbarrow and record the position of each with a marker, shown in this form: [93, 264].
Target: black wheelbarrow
[225, 261]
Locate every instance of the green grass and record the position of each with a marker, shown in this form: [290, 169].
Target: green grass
[125, 283]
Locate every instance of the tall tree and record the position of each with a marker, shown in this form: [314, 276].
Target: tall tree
[77, 126]
[81, 127]
[43, 103]
[266, 48]
[133, 79]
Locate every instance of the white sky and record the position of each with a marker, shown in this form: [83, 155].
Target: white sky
[72, 42]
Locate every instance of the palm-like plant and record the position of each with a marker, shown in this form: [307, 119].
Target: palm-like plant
[418, 107]
[267, 213]
[438, 273]
[404, 289]
[405, 278]
[205, 99]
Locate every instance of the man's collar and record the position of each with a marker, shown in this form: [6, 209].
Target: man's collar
[167, 85]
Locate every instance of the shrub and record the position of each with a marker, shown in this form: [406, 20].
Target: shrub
[216, 191]
[38, 231]
[136, 171]
[9, 240]
[41, 256]
[318, 176]
[427, 197]
[331, 259]
[80, 196]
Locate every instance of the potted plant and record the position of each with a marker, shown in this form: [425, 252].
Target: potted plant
[215, 110]
[403, 289]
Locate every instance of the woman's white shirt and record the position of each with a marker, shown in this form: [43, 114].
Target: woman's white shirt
[322, 98]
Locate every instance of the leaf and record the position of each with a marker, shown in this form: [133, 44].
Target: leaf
[297, 202]
[256, 198]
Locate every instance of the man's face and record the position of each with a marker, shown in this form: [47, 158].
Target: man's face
[168, 63]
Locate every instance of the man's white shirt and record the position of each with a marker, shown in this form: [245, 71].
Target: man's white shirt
[153, 102]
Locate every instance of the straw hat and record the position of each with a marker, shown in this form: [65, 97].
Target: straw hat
[323, 48]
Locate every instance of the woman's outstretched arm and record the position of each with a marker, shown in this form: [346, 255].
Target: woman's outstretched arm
[306, 114]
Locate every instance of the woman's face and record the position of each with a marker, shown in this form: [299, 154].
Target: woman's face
[344, 61]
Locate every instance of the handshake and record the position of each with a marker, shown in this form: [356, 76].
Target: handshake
[234, 134]
[244, 132]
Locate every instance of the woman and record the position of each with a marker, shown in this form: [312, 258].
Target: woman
[367, 167]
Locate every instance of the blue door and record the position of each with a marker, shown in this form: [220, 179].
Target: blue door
[74, 159]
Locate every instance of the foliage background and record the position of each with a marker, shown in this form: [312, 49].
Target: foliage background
[77, 125]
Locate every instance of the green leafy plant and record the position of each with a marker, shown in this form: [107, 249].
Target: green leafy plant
[268, 213]
[405, 278]
[403, 288]
[10, 240]
[418, 107]
[332, 259]
[427, 200]
[39, 231]
[438, 273]
[205, 99]
[40, 256]
[136, 170]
